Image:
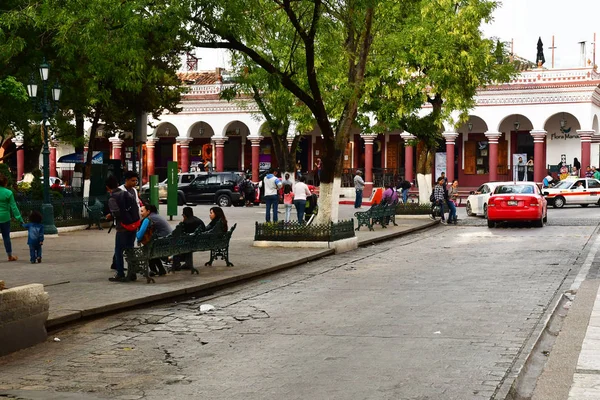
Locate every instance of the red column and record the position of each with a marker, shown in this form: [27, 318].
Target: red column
[586, 144]
[18, 141]
[150, 145]
[408, 155]
[493, 154]
[538, 155]
[369, 139]
[219, 144]
[450, 143]
[184, 145]
[53, 160]
[116, 144]
[255, 157]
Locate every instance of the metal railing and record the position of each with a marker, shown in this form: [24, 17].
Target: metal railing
[382, 177]
[294, 231]
[68, 211]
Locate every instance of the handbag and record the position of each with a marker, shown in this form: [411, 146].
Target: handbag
[148, 234]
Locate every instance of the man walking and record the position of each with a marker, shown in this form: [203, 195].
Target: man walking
[359, 185]
[124, 208]
[271, 185]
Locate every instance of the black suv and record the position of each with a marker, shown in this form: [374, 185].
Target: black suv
[216, 187]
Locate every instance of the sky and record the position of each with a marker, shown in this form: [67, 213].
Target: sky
[570, 21]
[524, 21]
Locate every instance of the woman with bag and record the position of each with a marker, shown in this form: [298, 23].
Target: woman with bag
[151, 223]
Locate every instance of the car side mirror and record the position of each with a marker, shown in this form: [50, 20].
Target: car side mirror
[472, 192]
[546, 193]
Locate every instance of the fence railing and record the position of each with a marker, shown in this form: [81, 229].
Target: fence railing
[68, 211]
[294, 231]
[381, 176]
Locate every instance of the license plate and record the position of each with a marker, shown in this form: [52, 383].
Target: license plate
[513, 202]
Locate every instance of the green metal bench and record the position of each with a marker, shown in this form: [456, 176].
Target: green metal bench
[370, 217]
[179, 242]
[95, 213]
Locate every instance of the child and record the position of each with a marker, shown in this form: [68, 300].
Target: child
[288, 201]
[35, 236]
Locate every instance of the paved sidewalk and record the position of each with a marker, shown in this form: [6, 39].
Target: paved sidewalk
[75, 267]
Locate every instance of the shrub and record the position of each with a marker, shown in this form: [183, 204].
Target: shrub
[413, 209]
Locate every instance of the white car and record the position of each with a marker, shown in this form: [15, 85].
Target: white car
[477, 202]
[573, 190]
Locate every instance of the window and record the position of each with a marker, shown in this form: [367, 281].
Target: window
[213, 179]
[593, 184]
[187, 178]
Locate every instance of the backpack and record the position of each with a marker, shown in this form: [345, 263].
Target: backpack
[129, 215]
[432, 198]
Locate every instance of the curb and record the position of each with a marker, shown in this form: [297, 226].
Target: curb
[77, 315]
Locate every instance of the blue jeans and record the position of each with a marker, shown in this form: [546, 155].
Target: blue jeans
[123, 240]
[288, 212]
[358, 200]
[300, 207]
[35, 252]
[440, 204]
[271, 200]
[405, 195]
[5, 229]
[452, 213]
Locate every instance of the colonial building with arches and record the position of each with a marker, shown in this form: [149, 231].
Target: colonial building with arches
[544, 115]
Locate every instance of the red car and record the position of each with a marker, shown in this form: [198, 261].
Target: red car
[517, 201]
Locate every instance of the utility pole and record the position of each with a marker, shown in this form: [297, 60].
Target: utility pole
[552, 48]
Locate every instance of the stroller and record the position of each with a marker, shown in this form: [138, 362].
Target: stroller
[312, 209]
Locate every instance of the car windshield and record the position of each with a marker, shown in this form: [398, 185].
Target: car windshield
[563, 185]
[515, 189]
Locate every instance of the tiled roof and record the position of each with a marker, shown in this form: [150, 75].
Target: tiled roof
[200, 78]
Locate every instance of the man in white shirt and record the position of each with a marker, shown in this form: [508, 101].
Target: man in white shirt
[271, 183]
[301, 193]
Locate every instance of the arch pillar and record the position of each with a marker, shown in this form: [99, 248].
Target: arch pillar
[450, 144]
[493, 153]
[408, 155]
[539, 135]
[18, 140]
[184, 145]
[586, 147]
[150, 146]
[116, 145]
[369, 140]
[255, 142]
[220, 154]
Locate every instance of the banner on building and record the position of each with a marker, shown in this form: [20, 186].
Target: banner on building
[440, 164]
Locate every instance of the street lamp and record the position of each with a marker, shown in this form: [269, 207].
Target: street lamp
[47, 108]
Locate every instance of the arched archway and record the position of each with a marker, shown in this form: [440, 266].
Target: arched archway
[164, 148]
[563, 144]
[201, 148]
[234, 155]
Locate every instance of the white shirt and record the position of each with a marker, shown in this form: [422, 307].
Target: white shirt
[301, 191]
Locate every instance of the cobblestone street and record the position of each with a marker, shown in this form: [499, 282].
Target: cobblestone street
[444, 314]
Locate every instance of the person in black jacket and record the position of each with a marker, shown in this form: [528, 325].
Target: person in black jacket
[190, 224]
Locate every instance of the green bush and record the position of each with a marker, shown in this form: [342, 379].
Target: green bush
[413, 209]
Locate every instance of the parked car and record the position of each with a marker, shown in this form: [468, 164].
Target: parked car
[221, 188]
[183, 179]
[573, 190]
[477, 202]
[517, 201]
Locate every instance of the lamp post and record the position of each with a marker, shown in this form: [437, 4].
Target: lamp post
[47, 108]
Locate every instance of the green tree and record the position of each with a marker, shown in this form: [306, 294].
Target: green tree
[437, 57]
[316, 50]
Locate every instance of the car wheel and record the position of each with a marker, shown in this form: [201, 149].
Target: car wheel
[180, 200]
[224, 201]
[470, 210]
[485, 210]
[559, 202]
[491, 224]
[584, 205]
[539, 223]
